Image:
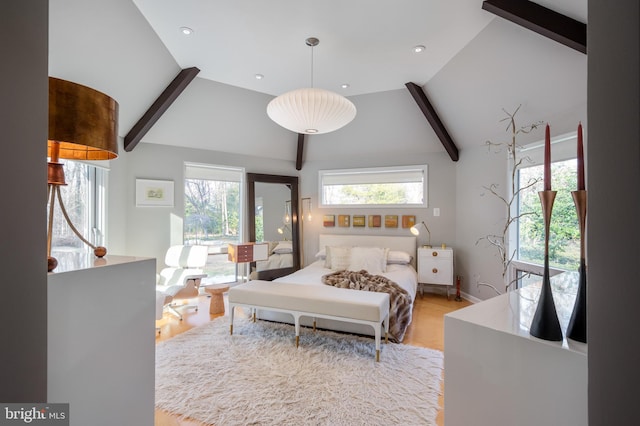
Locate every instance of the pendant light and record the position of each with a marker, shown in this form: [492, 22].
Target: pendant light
[311, 110]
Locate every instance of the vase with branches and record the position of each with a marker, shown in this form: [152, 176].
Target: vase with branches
[499, 241]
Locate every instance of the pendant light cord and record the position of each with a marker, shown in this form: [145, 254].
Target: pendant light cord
[312, 67]
[312, 42]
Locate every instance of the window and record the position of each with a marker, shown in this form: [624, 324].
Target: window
[213, 214]
[564, 235]
[402, 186]
[84, 199]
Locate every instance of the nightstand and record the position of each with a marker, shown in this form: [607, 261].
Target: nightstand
[435, 267]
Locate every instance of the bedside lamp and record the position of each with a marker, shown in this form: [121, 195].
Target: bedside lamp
[83, 125]
[415, 231]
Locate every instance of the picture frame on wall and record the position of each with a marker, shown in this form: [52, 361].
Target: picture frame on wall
[391, 221]
[154, 193]
[375, 221]
[358, 221]
[328, 220]
[408, 221]
[344, 220]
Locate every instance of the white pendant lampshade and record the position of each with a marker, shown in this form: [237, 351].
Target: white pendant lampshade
[311, 111]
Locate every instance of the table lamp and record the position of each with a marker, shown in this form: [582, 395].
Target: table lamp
[415, 231]
[83, 125]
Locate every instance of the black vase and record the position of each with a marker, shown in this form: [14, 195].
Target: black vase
[545, 324]
[577, 328]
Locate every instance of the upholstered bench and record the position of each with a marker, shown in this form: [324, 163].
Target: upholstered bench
[314, 301]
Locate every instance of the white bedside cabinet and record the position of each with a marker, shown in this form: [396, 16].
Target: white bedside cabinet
[435, 266]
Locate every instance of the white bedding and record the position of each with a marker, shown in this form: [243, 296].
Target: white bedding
[275, 261]
[404, 275]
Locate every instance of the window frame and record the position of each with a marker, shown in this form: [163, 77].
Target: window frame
[563, 148]
[97, 179]
[423, 168]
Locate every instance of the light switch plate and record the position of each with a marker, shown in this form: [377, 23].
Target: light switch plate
[436, 211]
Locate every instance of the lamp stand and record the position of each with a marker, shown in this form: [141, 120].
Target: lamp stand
[55, 178]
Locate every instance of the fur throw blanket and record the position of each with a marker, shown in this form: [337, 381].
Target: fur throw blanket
[400, 301]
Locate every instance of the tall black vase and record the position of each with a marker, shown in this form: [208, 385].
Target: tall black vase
[577, 328]
[545, 324]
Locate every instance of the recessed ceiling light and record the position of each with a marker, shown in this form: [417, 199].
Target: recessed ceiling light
[419, 48]
[259, 76]
[344, 85]
[186, 30]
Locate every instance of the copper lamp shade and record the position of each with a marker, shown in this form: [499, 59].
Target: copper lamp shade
[83, 125]
[83, 120]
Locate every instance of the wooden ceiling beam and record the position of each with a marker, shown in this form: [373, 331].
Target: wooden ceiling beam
[541, 20]
[155, 111]
[300, 151]
[433, 119]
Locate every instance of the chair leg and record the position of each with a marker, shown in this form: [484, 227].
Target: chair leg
[173, 310]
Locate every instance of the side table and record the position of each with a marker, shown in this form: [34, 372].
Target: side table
[217, 302]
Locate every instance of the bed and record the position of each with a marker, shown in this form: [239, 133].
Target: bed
[279, 262]
[401, 270]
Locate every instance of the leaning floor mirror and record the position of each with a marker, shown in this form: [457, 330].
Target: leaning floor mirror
[272, 202]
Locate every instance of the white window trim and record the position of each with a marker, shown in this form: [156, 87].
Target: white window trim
[425, 188]
[564, 148]
[527, 267]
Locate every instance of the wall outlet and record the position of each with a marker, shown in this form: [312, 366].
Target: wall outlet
[436, 211]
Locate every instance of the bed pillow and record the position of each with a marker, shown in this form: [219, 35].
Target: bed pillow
[398, 257]
[322, 254]
[283, 247]
[371, 259]
[272, 246]
[338, 258]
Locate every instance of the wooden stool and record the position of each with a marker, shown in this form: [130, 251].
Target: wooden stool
[217, 302]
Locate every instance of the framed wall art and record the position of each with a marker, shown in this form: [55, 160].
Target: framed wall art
[358, 220]
[154, 193]
[408, 221]
[391, 221]
[328, 220]
[375, 221]
[344, 220]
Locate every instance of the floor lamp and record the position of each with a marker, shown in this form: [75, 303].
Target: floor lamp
[83, 125]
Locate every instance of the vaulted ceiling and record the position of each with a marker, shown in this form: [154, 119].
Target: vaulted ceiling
[474, 64]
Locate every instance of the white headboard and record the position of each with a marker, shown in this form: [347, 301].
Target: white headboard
[403, 243]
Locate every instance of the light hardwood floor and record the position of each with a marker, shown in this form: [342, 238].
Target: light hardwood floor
[426, 330]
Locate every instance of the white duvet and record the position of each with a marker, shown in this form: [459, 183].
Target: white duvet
[404, 275]
[275, 261]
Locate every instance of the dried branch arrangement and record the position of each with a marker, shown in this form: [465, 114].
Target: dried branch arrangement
[499, 242]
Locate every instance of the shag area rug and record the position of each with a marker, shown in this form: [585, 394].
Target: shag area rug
[259, 377]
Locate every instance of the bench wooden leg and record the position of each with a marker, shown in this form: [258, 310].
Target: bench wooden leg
[296, 320]
[377, 337]
[386, 329]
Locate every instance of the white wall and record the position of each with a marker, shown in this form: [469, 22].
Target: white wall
[148, 231]
[478, 214]
[441, 178]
